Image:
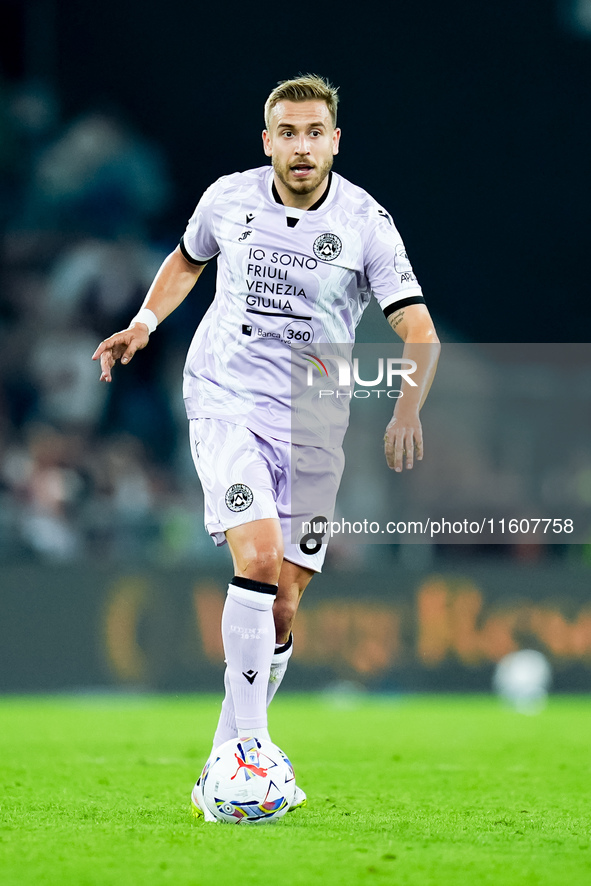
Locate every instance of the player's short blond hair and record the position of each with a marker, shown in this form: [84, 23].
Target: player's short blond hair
[306, 87]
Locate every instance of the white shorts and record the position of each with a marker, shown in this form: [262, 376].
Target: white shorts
[247, 477]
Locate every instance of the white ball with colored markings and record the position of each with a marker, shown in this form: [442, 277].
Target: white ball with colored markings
[248, 781]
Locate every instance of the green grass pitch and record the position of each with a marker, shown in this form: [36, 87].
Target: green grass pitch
[410, 790]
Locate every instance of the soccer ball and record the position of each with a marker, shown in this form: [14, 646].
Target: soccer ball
[523, 679]
[248, 781]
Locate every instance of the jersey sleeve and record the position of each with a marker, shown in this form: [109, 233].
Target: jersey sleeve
[198, 243]
[387, 266]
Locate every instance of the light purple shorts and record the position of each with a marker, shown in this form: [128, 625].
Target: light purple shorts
[246, 477]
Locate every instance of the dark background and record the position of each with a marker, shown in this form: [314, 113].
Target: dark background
[468, 121]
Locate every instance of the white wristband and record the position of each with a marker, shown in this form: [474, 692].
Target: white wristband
[148, 317]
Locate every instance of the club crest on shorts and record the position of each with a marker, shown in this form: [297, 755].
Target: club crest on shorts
[239, 497]
[327, 247]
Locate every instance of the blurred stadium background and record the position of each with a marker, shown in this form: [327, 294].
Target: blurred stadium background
[469, 122]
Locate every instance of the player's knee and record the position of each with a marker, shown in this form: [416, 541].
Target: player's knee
[264, 564]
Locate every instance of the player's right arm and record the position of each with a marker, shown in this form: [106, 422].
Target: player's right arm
[173, 282]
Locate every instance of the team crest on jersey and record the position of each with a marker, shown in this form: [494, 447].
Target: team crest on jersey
[239, 497]
[327, 247]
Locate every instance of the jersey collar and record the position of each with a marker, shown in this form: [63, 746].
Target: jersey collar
[326, 198]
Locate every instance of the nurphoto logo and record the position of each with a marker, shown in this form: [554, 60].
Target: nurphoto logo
[389, 372]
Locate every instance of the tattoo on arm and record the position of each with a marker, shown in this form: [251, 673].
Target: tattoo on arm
[396, 319]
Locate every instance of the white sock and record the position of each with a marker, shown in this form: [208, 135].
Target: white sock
[248, 632]
[226, 728]
[279, 664]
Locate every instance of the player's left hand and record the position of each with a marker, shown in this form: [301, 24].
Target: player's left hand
[402, 440]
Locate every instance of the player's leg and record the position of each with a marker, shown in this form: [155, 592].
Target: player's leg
[305, 503]
[248, 628]
[237, 475]
[248, 634]
[293, 581]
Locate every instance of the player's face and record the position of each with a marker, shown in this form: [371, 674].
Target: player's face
[301, 142]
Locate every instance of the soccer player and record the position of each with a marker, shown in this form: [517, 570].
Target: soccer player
[300, 252]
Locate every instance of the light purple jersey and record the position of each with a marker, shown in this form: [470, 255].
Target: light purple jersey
[288, 281]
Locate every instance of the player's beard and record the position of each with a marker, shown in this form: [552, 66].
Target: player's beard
[305, 186]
